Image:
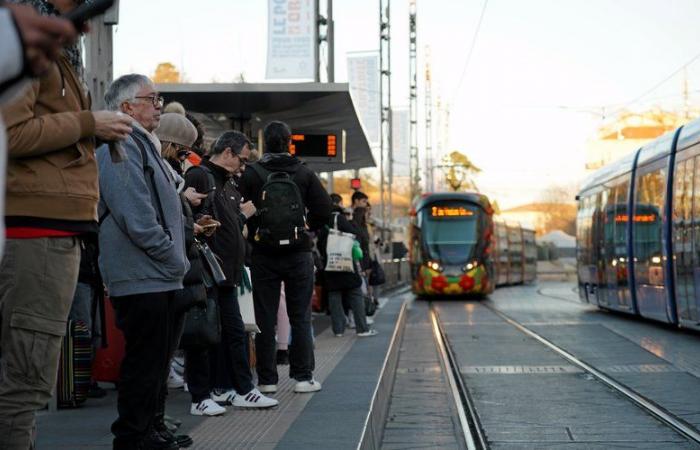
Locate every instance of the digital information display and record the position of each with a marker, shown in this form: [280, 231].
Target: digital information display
[450, 211]
[314, 145]
[643, 218]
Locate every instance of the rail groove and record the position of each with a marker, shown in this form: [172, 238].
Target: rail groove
[655, 410]
[474, 436]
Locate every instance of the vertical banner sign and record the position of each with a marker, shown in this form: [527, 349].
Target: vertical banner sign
[291, 39]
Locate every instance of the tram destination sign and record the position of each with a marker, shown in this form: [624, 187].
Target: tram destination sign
[450, 211]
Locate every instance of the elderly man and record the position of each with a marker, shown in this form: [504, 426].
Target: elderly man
[52, 194]
[142, 259]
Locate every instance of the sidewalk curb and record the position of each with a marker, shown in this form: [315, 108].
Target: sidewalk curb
[379, 407]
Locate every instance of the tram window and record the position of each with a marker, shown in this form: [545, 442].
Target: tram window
[688, 191]
[647, 226]
[451, 239]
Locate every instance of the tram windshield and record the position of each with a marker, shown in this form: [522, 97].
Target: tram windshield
[450, 232]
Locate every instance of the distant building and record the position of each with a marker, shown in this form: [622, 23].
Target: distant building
[401, 135]
[630, 131]
[363, 76]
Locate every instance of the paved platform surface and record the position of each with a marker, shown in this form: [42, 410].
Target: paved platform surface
[348, 367]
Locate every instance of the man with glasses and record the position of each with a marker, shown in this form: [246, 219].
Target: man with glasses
[142, 260]
[232, 381]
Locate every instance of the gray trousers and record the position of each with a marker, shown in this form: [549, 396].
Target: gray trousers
[37, 281]
[356, 301]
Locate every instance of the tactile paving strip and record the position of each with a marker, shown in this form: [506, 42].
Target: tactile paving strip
[261, 429]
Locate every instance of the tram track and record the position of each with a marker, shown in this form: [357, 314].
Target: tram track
[472, 431]
[647, 405]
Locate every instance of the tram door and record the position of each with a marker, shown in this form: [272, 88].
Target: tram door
[685, 255]
[604, 246]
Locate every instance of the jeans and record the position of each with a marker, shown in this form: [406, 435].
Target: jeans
[229, 359]
[37, 281]
[197, 374]
[296, 270]
[147, 321]
[356, 301]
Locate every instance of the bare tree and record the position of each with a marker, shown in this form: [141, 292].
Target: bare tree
[558, 205]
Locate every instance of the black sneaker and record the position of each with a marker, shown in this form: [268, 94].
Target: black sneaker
[162, 428]
[283, 357]
[154, 441]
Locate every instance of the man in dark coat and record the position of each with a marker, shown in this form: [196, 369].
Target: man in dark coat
[231, 375]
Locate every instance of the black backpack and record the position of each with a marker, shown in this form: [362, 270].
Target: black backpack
[281, 212]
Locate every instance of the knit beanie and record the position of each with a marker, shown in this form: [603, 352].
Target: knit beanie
[177, 129]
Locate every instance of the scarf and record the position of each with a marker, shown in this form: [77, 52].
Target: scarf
[72, 52]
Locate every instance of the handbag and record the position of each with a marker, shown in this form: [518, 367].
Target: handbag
[245, 302]
[370, 306]
[376, 275]
[339, 249]
[213, 273]
[202, 326]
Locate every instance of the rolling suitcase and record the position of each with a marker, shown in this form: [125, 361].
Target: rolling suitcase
[74, 365]
[108, 360]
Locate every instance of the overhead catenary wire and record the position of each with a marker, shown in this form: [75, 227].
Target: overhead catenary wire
[472, 47]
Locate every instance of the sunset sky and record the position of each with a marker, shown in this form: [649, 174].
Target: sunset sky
[530, 98]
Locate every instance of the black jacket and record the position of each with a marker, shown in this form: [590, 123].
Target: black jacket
[337, 281]
[315, 198]
[223, 205]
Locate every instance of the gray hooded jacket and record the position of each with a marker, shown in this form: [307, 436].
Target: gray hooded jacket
[137, 254]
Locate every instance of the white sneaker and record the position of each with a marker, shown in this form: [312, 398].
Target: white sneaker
[267, 388]
[368, 333]
[207, 407]
[224, 398]
[254, 399]
[175, 381]
[304, 387]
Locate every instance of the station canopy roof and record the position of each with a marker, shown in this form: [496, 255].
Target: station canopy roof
[306, 107]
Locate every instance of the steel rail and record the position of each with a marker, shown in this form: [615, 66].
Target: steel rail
[657, 411]
[474, 436]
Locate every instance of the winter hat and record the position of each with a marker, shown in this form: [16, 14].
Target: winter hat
[177, 129]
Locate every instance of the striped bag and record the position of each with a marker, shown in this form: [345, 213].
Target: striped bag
[74, 365]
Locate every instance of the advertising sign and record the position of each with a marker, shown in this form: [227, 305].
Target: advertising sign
[291, 39]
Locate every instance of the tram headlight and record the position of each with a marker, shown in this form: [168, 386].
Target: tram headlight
[470, 265]
[435, 266]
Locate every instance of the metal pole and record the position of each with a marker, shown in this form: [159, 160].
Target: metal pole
[389, 123]
[413, 92]
[317, 41]
[330, 64]
[330, 39]
[382, 187]
[429, 185]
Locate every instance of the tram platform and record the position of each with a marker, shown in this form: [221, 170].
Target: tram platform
[348, 367]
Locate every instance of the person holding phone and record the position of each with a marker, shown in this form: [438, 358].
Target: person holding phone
[51, 203]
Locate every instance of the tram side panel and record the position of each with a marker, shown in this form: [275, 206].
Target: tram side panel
[515, 252]
[529, 256]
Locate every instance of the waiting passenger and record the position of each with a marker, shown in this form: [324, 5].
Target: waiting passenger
[282, 253]
[142, 259]
[232, 381]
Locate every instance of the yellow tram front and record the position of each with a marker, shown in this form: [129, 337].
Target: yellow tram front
[451, 244]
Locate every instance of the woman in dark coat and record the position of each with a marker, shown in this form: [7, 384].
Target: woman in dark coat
[343, 285]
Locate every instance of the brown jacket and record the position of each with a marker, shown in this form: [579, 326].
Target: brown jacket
[52, 171]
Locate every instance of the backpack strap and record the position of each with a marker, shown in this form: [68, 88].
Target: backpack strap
[262, 172]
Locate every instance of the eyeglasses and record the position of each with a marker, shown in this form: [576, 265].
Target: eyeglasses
[156, 100]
